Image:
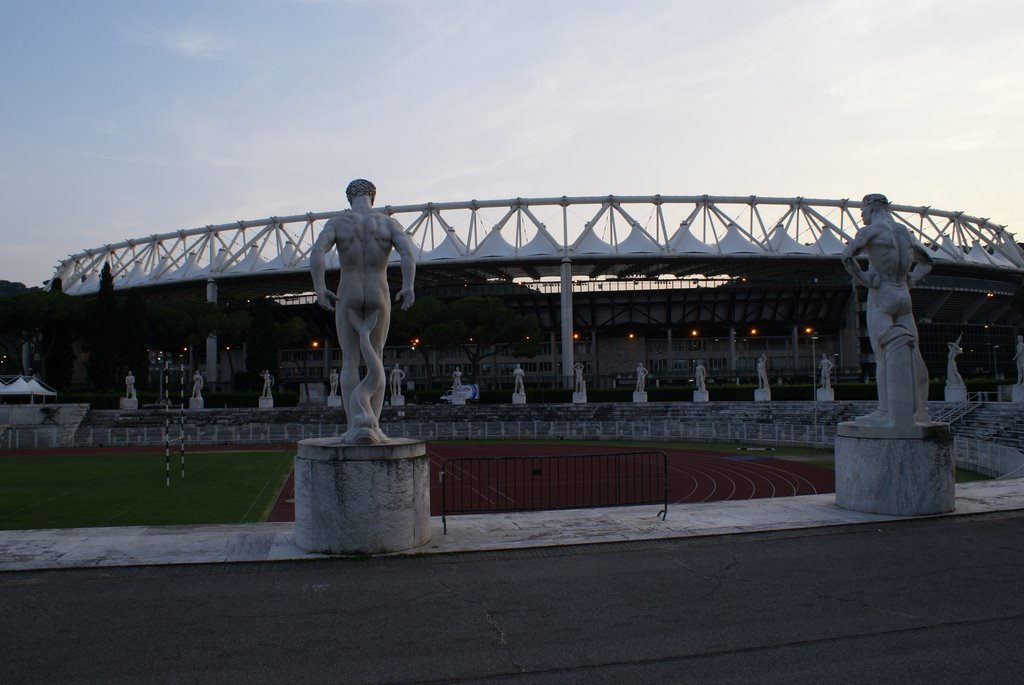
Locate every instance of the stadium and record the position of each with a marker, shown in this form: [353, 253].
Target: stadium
[669, 281]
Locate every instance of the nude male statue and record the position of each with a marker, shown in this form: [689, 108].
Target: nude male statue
[580, 384]
[641, 377]
[826, 366]
[396, 380]
[762, 372]
[129, 386]
[333, 380]
[268, 383]
[1019, 358]
[364, 238]
[700, 374]
[197, 385]
[895, 263]
[518, 374]
[953, 376]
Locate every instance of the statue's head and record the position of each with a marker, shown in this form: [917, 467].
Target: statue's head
[359, 187]
[872, 203]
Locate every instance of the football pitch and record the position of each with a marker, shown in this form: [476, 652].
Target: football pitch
[130, 489]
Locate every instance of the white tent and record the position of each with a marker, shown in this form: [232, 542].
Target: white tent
[24, 386]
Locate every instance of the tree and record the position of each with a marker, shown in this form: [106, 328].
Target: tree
[266, 337]
[44, 319]
[409, 326]
[102, 335]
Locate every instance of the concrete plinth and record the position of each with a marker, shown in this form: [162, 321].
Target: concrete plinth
[518, 398]
[398, 400]
[365, 499]
[196, 403]
[639, 398]
[1018, 394]
[458, 399]
[956, 393]
[763, 395]
[700, 395]
[579, 398]
[266, 403]
[333, 401]
[129, 404]
[825, 395]
[898, 476]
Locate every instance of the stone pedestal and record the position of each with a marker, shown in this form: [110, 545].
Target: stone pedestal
[763, 395]
[333, 401]
[1018, 394]
[519, 398]
[579, 398]
[458, 398]
[266, 403]
[639, 397]
[398, 400]
[196, 403]
[700, 395]
[956, 393]
[825, 395]
[129, 404]
[361, 499]
[899, 472]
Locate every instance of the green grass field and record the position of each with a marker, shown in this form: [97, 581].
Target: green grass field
[130, 489]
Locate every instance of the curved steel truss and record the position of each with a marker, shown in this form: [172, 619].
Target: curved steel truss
[536, 234]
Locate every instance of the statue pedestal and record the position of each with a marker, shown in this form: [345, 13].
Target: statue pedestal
[519, 398]
[361, 499]
[579, 398]
[266, 403]
[639, 397]
[397, 400]
[458, 398]
[895, 471]
[956, 393]
[129, 404]
[196, 403]
[1018, 394]
[700, 395]
[763, 395]
[825, 395]
[333, 401]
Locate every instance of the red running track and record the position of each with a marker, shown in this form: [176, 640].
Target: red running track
[693, 475]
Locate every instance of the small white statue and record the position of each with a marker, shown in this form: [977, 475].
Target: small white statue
[895, 263]
[518, 374]
[700, 374]
[641, 377]
[1019, 358]
[268, 383]
[825, 367]
[952, 373]
[397, 375]
[457, 379]
[333, 378]
[129, 386]
[197, 385]
[580, 384]
[762, 372]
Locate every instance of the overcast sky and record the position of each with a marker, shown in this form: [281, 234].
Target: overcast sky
[124, 118]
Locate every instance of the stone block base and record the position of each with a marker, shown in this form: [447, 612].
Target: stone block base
[910, 476]
[129, 404]
[956, 393]
[763, 395]
[579, 398]
[1018, 394]
[639, 398]
[361, 499]
[518, 398]
[266, 403]
[458, 399]
[700, 395]
[333, 401]
[825, 395]
[396, 400]
[196, 403]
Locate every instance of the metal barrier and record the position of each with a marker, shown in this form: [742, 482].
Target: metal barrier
[490, 485]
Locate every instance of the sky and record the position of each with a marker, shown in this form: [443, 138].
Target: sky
[123, 119]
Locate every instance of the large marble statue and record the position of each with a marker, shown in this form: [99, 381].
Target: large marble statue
[333, 379]
[129, 386]
[825, 367]
[1019, 358]
[268, 383]
[895, 263]
[518, 374]
[362, 305]
[197, 385]
[457, 379]
[641, 378]
[700, 374]
[580, 385]
[952, 373]
[396, 377]
[762, 372]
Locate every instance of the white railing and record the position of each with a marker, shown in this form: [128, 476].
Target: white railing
[987, 459]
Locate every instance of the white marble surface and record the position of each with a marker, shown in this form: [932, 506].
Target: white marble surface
[158, 545]
[955, 393]
[639, 397]
[700, 395]
[825, 395]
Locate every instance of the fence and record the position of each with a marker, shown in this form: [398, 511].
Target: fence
[987, 459]
[575, 481]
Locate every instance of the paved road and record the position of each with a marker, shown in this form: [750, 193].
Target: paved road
[929, 601]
